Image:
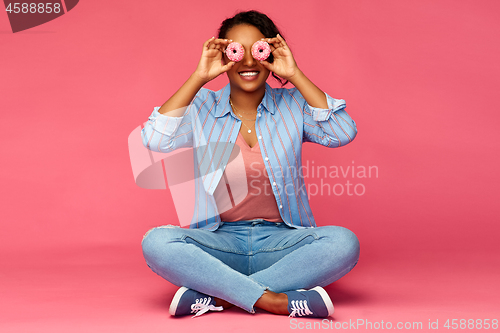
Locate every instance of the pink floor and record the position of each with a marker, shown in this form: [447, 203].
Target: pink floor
[112, 290]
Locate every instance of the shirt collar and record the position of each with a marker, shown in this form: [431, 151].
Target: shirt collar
[224, 107]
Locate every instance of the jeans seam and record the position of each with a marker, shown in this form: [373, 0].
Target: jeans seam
[269, 249]
[227, 250]
[249, 250]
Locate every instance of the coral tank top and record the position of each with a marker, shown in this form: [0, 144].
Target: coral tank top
[237, 200]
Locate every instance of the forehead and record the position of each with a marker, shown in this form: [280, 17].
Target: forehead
[244, 34]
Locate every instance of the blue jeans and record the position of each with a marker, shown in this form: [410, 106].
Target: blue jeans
[240, 260]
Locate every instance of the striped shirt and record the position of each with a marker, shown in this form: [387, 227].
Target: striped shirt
[244, 192]
[284, 121]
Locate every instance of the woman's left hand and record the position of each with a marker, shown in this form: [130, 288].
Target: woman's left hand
[284, 64]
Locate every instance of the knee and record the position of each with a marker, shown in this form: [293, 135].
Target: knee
[343, 241]
[156, 239]
[349, 242]
[352, 243]
[350, 238]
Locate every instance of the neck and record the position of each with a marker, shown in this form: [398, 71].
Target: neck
[247, 101]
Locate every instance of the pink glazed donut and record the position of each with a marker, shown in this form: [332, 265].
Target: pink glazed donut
[261, 50]
[235, 51]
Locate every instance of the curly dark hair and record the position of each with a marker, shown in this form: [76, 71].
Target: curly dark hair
[259, 20]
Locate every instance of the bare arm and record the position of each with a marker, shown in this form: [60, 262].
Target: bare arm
[314, 96]
[209, 67]
[176, 105]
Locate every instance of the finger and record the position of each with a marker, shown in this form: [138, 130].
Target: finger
[273, 40]
[207, 43]
[282, 40]
[213, 43]
[270, 42]
[228, 66]
[280, 44]
[272, 48]
[267, 65]
[219, 41]
[223, 44]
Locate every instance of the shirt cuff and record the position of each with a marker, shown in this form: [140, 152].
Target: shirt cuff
[319, 114]
[164, 124]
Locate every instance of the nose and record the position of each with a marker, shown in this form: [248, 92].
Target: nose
[248, 59]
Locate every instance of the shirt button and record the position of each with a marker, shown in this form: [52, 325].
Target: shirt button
[274, 183]
[281, 206]
[266, 158]
[260, 137]
[259, 114]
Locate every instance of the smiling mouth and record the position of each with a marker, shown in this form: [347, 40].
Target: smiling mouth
[248, 74]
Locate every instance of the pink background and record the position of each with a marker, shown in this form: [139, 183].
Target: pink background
[420, 79]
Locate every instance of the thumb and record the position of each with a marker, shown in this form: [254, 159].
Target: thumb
[266, 64]
[228, 66]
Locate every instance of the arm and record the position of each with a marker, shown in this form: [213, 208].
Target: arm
[164, 133]
[169, 126]
[331, 126]
[312, 94]
[176, 105]
[325, 120]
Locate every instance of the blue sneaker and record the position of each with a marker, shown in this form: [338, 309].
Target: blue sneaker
[187, 301]
[314, 302]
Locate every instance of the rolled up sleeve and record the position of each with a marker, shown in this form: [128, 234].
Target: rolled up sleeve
[332, 127]
[162, 133]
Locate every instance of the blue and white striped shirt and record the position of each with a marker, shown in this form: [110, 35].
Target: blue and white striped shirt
[284, 121]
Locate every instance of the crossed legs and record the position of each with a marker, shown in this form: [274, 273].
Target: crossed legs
[237, 263]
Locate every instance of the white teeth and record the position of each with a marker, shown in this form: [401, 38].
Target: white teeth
[249, 73]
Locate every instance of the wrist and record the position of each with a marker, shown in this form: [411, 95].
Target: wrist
[297, 76]
[198, 80]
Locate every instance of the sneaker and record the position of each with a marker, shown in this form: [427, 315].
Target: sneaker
[187, 301]
[314, 302]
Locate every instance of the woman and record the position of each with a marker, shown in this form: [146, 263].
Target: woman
[266, 250]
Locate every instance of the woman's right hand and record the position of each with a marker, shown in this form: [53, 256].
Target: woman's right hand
[210, 65]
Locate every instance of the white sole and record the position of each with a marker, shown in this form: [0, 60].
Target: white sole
[176, 299]
[326, 299]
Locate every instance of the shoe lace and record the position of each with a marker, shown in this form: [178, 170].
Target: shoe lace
[299, 308]
[203, 305]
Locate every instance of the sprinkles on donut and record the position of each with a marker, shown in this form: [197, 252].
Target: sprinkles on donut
[261, 50]
[235, 51]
